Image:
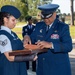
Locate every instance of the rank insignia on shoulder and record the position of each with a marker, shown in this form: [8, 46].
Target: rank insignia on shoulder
[3, 43]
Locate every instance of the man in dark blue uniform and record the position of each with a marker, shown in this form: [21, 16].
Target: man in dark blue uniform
[27, 30]
[55, 36]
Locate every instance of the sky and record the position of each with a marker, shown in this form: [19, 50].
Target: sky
[64, 5]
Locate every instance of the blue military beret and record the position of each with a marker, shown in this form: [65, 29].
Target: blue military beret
[11, 10]
[48, 9]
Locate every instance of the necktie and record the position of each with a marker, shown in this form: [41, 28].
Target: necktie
[30, 27]
[47, 28]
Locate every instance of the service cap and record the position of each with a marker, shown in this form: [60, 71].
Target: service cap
[47, 10]
[11, 10]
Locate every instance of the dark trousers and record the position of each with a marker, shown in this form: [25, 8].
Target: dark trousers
[27, 64]
[33, 65]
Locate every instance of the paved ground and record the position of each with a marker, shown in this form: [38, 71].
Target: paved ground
[72, 61]
[31, 73]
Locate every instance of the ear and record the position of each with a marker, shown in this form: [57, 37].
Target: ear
[5, 20]
[54, 13]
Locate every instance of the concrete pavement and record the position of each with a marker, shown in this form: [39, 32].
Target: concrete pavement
[30, 72]
[72, 59]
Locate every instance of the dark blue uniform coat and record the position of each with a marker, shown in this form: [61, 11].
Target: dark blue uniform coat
[55, 61]
[12, 68]
[27, 30]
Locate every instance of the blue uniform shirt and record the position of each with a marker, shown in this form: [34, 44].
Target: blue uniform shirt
[7, 67]
[27, 30]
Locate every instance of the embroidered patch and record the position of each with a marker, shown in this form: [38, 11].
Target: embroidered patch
[3, 43]
[54, 36]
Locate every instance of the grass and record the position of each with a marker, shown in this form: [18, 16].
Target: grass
[72, 31]
[18, 30]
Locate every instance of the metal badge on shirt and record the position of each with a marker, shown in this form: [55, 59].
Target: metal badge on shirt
[41, 30]
[3, 43]
[55, 31]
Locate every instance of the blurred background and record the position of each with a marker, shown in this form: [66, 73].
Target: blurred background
[29, 7]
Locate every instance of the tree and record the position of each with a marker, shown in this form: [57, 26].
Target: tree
[33, 4]
[17, 3]
[72, 12]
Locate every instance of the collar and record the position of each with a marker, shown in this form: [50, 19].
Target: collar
[30, 26]
[50, 25]
[6, 29]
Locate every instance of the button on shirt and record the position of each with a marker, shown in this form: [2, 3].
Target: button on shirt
[5, 44]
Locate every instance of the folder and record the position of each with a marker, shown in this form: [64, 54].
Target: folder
[29, 49]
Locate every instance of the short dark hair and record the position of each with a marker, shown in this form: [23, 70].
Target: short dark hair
[2, 15]
[27, 18]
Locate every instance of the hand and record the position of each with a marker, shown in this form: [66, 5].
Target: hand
[44, 44]
[35, 58]
[27, 40]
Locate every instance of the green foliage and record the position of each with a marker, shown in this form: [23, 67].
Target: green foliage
[33, 4]
[26, 18]
[72, 31]
[23, 1]
[27, 7]
[17, 3]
